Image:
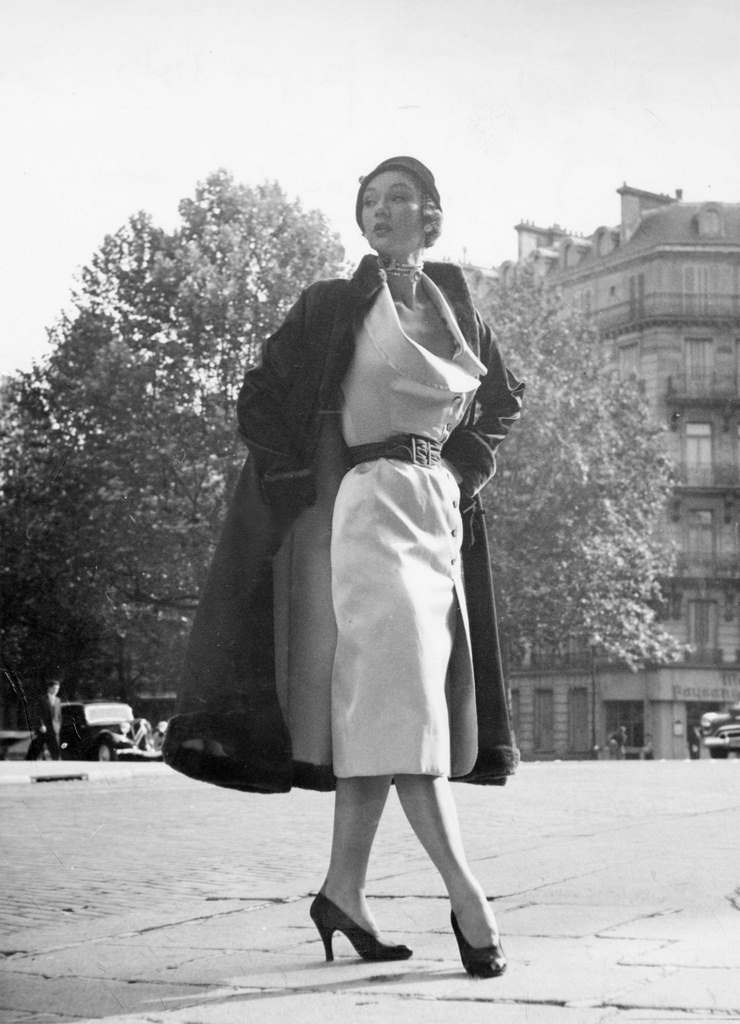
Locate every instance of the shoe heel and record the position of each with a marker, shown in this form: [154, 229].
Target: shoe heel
[327, 935]
[325, 930]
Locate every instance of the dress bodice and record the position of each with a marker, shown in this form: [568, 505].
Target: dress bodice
[396, 386]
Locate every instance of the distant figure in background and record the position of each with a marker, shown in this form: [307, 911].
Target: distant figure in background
[694, 743]
[141, 733]
[648, 752]
[48, 724]
[158, 735]
[618, 743]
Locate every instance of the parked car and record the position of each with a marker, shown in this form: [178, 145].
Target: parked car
[14, 744]
[105, 731]
[720, 731]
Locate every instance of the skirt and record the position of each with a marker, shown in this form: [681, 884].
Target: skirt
[401, 622]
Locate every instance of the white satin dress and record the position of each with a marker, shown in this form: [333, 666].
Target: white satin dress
[395, 561]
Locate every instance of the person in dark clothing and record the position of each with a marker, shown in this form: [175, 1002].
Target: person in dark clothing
[48, 724]
[618, 743]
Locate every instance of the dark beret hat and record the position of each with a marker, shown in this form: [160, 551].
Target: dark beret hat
[400, 163]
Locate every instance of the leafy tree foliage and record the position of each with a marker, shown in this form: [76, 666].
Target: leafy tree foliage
[118, 451]
[578, 507]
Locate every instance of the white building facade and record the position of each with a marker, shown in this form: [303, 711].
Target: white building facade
[663, 287]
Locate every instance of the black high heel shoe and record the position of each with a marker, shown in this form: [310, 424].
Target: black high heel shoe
[328, 918]
[481, 962]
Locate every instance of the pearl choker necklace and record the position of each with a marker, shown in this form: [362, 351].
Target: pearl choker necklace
[392, 268]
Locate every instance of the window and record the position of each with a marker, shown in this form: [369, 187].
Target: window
[699, 454]
[710, 221]
[630, 714]
[605, 241]
[637, 295]
[703, 627]
[695, 289]
[628, 361]
[578, 737]
[543, 720]
[700, 535]
[699, 361]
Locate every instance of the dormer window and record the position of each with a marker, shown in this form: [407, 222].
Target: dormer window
[710, 221]
[606, 241]
[571, 255]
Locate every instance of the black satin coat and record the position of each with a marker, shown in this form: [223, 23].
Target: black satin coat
[228, 729]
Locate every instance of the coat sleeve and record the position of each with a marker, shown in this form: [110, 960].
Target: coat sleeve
[262, 399]
[472, 445]
[262, 412]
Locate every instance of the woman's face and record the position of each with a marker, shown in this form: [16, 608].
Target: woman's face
[391, 215]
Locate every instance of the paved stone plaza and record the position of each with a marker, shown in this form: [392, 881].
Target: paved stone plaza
[142, 896]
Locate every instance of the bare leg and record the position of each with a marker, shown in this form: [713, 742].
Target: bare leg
[428, 804]
[358, 805]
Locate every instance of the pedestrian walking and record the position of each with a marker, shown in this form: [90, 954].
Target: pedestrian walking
[48, 724]
[346, 635]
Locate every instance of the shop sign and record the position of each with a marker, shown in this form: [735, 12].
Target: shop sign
[728, 692]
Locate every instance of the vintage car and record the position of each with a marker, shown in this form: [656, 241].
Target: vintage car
[105, 731]
[720, 731]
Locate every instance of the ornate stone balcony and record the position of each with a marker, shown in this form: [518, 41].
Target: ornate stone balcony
[705, 387]
[708, 566]
[668, 307]
[720, 474]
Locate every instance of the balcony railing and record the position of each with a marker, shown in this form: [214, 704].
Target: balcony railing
[707, 656]
[559, 659]
[670, 306]
[722, 474]
[703, 385]
[583, 660]
[712, 566]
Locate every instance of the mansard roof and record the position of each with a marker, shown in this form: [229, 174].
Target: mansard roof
[698, 225]
[687, 224]
[693, 227]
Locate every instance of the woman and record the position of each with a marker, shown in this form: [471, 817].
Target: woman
[371, 423]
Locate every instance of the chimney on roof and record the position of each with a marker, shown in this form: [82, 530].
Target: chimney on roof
[635, 202]
[531, 238]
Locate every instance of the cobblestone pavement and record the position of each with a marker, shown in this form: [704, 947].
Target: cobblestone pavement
[617, 888]
[76, 849]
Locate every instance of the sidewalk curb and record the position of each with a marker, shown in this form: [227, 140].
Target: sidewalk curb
[15, 773]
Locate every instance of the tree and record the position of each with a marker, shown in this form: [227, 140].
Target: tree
[577, 509]
[121, 448]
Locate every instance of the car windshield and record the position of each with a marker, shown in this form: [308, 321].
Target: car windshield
[95, 714]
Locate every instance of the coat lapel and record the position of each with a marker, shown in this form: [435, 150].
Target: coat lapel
[448, 277]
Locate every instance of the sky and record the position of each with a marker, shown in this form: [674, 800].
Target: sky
[534, 110]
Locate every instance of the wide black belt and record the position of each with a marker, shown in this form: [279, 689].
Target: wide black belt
[422, 451]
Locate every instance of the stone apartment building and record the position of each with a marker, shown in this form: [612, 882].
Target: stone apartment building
[663, 287]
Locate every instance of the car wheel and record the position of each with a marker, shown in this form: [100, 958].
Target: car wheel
[717, 752]
[105, 752]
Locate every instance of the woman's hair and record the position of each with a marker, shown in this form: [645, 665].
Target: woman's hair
[431, 217]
